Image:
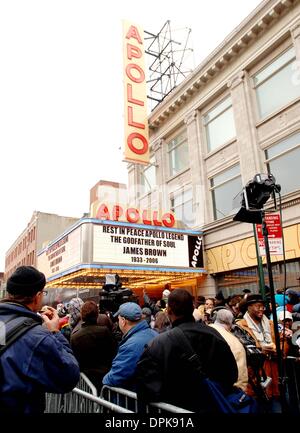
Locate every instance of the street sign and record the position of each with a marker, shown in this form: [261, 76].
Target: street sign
[274, 235]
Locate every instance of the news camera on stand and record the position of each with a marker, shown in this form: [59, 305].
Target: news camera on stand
[112, 295]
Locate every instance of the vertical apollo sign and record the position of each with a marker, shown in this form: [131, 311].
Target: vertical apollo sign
[135, 92]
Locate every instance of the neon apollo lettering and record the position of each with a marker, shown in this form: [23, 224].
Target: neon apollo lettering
[196, 252]
[134, 215]
[136, 75]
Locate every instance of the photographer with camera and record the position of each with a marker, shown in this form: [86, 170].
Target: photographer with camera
[111, 296]
[36, 358]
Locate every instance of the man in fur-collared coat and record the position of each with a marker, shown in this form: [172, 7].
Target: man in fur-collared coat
[261, 330]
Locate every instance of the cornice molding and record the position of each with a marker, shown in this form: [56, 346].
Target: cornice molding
[236, 80]
[190, 117]
[295, 31]
[291, 203]
[220, 58]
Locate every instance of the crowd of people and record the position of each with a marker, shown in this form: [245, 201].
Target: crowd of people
[137, 347]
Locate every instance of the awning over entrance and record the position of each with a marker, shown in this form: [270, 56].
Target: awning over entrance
[93, 276]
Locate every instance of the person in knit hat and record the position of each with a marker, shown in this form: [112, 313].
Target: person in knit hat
[64, 325]
[26, 281]
[40, 360]
[74, 307]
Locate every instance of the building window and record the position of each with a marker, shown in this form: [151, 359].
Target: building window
[178, 154]
[276, 85]
[219, 125]
[224, 188]
[148, 177]
[283, 162]
[182, 206]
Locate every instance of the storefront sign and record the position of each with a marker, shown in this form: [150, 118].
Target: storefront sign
[135, 96]
[146, 247]
[274, 235]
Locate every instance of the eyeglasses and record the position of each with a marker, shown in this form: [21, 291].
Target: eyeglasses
[45, 292]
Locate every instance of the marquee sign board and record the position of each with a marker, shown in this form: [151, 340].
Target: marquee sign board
[146, 247]
[132, 246]
[61, 255]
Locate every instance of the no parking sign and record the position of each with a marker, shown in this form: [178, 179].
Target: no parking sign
[274, 235]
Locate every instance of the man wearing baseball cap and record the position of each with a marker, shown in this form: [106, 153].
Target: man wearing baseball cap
[136, 334]
[40, 360]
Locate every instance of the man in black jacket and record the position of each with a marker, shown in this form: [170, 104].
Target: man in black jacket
[164, 373]
[93, 345]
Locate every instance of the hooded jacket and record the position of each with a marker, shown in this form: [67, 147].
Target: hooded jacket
[38, 362]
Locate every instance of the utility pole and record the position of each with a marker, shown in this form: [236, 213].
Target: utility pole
[281, 378]
[260, 269]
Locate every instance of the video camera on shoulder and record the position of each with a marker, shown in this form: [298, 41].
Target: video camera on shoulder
[112, 283]
[112, 295]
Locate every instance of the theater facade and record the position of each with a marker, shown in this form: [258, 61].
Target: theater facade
[237, 114]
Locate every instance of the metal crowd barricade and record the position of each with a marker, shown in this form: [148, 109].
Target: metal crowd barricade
[120, 396]
[54, 403]
[82, 399]
[168, 408]
[128, 399]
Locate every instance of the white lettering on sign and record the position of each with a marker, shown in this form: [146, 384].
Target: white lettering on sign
[126, 245]
[274, 235]
[197, 251]
[61, 255]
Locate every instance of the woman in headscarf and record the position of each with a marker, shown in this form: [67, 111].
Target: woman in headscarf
[74, 307]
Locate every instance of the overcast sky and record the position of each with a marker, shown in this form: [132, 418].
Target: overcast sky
[61, 94]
